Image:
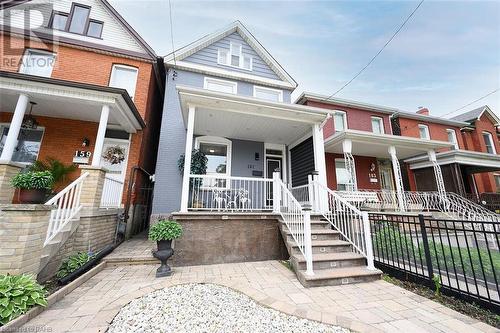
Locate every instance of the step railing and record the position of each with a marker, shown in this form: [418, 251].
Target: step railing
[296, 218]
[112, 192]
[67, 204]
[352, 223]
[301, 193]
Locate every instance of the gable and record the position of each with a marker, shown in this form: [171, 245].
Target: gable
[116, 34]
[208, 56]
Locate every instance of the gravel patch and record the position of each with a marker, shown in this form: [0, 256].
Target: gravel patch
[207, 308]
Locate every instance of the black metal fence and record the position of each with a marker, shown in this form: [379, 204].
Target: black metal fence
[462, 256]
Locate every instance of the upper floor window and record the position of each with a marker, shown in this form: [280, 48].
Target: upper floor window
[77, 21]
[224, 86]
[37, 62]
[488, 141]
[273, 95]
[377, 125]
[424, 132]
[234, 57]
[452, 137]
[340, 121]
[124, 77]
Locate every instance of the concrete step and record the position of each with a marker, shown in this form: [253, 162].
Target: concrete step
[338, 276]
[323, 261]
[316, 234]
[317, 225]
[325, 246]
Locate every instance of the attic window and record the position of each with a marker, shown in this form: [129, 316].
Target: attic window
[234, 57]
[77, 21]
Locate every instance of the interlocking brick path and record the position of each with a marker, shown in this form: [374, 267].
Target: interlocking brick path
[367, 307]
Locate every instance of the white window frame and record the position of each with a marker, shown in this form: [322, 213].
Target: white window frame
[234, 85]
[426, 128]
[39, 128]
[22, 68]
[454, 135]
[335, 112]
[127, 68]
[219, 141]
[491, 142]
[280, 92]
[336, 178]
[381, 121]
[241, 56]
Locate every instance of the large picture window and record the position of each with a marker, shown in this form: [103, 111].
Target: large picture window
[28, 144]
[218, 153]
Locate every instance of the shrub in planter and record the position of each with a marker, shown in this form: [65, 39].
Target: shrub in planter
[74, 262]
[33, 186]
[163, 233]
[18, 294]
[58, 169]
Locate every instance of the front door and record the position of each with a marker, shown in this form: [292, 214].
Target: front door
[386, 179]
[273, 164]
[114, 159]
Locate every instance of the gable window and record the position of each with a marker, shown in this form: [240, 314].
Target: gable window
[37, 62]
[28, 144]
[124, 77]
[59, 20]
[452, 137]
[95, 29]
[234, 57]
[77, 21]
[224, 86]
[273, 95]
[218, 153]
[377, 125]
[488, 141]
[424, 132]
[340, 121]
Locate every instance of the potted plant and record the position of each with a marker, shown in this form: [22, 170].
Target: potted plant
[198, 167]
[33, 186]
[163, 232]
[58, 169]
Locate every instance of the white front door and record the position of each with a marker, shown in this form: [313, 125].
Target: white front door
[114, 159]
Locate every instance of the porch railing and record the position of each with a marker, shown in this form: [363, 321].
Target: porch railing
[111, 193]
[67, 204]
[352, 223]
[227, 193]
[301, 193]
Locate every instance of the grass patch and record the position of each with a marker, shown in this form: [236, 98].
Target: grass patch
[470, 309]
[287, 264]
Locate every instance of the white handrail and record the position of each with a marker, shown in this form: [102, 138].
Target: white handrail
[352, 223]
[68, 205]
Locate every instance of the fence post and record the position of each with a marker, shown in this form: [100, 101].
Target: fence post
[276, 192]
[368, 241]
[307, 239]
[427, 251]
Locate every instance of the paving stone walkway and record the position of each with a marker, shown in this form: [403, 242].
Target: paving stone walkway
[366, 307]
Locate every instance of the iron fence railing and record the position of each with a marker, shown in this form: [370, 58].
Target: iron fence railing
[463, 256]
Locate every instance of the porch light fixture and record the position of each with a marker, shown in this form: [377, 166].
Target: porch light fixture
[85, 142]
[29, 122]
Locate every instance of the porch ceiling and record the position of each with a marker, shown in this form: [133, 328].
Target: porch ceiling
[247, 118]
[377, 145]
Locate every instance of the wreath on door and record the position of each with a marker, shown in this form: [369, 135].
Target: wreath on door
[114, 155]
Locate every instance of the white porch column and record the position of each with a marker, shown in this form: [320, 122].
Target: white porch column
[437, 173]
[350, 165]
[101, 132]
[397, 178]
[14, 128]
[320, 164]
[187, 159]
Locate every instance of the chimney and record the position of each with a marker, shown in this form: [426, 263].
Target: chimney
[423, 111]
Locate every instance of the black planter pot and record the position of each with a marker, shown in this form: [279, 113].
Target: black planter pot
[164, 252]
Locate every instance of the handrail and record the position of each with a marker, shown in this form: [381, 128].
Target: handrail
[67, 204]
[217, 176]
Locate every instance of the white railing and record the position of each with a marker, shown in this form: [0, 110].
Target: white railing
[301, 193]
[68, 206]
[226, 193]
[352, 223]
[112, 192]
[296, 219]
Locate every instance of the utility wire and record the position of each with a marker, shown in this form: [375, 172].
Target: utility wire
[466, 105]
[378, 53]
[171, 28]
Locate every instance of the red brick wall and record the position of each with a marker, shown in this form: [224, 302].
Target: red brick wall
[409, 127]
[363, 164]
[357, 119]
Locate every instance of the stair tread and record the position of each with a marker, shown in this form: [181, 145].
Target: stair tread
[330, 256]
[318, 231]
[330, 242]
[341, 272]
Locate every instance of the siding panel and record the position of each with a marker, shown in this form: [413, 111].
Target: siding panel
[302, 159]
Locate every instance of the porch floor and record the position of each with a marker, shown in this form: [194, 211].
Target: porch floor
[366, 307]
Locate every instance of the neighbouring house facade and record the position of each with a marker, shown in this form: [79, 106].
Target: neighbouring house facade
[78, 84]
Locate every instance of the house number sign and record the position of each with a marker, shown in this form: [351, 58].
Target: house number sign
[81, 156]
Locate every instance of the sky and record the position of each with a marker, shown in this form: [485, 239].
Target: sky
[446, 56]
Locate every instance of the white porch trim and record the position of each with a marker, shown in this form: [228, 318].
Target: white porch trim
[15, 127]
[101, 132]
[187, 159]
[398, 179]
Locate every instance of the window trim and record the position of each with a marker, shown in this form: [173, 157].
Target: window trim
[241, 57]
[234, 84]
[39, 128]
[229, 152]
[381, 120]
[492, 143]
[336, 179]
[427, 131]
[26, 50]
[69, 17]
[344, 113]
[279, 91]
[124, 67]
[451, 130]
[88, 26]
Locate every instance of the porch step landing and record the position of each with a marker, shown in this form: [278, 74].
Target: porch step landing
[334, 261]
